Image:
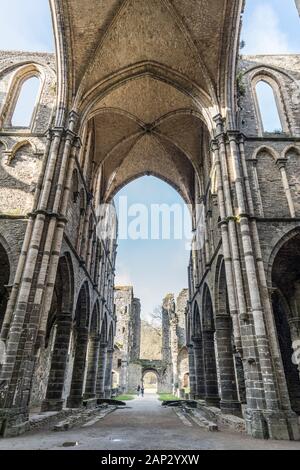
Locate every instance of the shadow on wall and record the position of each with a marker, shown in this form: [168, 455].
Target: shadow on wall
[18, 178]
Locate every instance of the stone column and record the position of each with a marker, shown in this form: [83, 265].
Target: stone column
[229, 396]
[76, 394]
[92, 363]
[101, 371]
[211, 378]
[257, 188]
[123, 375]
[245, 336]
[281, 163]
[240, 378]
[108, 373]
[192, 376]
[259, 425]
[199, 368]
[267, 393]
[174, 352]
[54, 400]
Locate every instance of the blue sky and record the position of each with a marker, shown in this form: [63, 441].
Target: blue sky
[271, 27]
[26, 25]
[154, 267]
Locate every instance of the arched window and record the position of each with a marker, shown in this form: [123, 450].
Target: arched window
[268, 107]
[26, 102]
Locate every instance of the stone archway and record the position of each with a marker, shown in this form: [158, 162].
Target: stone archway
[150, 381]
[210, 365]
[93, 354]
[57, 337]
[286, 308]
[109, 363]
[159, 369]
[102, 363]
[197, 340]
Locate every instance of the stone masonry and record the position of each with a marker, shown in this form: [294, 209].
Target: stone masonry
[128, 334]
[133, 89]
[161, 350]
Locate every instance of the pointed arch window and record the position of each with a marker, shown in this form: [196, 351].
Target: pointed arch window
[26, 102]
[268, 108]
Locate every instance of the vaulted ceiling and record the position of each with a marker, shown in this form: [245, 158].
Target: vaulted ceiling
[145, 72]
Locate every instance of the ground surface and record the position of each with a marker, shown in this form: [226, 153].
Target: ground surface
[143, 425]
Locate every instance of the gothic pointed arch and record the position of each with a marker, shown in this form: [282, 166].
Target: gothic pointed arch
[285, 279]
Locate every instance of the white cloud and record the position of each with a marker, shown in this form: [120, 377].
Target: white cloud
[123, 276]
[263, 34]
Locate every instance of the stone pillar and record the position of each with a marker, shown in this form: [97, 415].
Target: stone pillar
[76, 393]
[108, 373]
[199, 368]
[211, 378]
[123, 375]
[54, 400]
[229, 396]
[92, 363]
[174, 352]
[240, 378]
[192, 376]
[258, 427]
[266, 392]
[257, 187]
[27, 314]
[281, 163]
[245, 336]
[101, 371]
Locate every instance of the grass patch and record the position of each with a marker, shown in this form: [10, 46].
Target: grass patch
[125, 397]
[168, 397]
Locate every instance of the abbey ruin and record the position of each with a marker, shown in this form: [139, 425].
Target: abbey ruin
[142, 348]
[154, 87]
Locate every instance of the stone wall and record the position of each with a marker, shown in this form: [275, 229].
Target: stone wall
[128, 333]
[22, 149]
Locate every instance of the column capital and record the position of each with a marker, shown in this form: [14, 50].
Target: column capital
[73, 119]
[214, 145]
[219, 120]
[281, 163]
[233, 135]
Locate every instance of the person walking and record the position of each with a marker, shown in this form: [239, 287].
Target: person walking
[142, 391]
[138, 390]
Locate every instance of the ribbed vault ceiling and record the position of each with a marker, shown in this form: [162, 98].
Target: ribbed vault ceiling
[146, 124]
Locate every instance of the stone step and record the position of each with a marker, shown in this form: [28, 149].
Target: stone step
[83, 417]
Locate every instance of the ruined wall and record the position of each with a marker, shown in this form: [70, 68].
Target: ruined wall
[181, 310]
[42, 369]
[273, 159]
[22, 148]
[123, 302]
[134, 376]
[128, 332]
[136, 329]
[174, 336]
